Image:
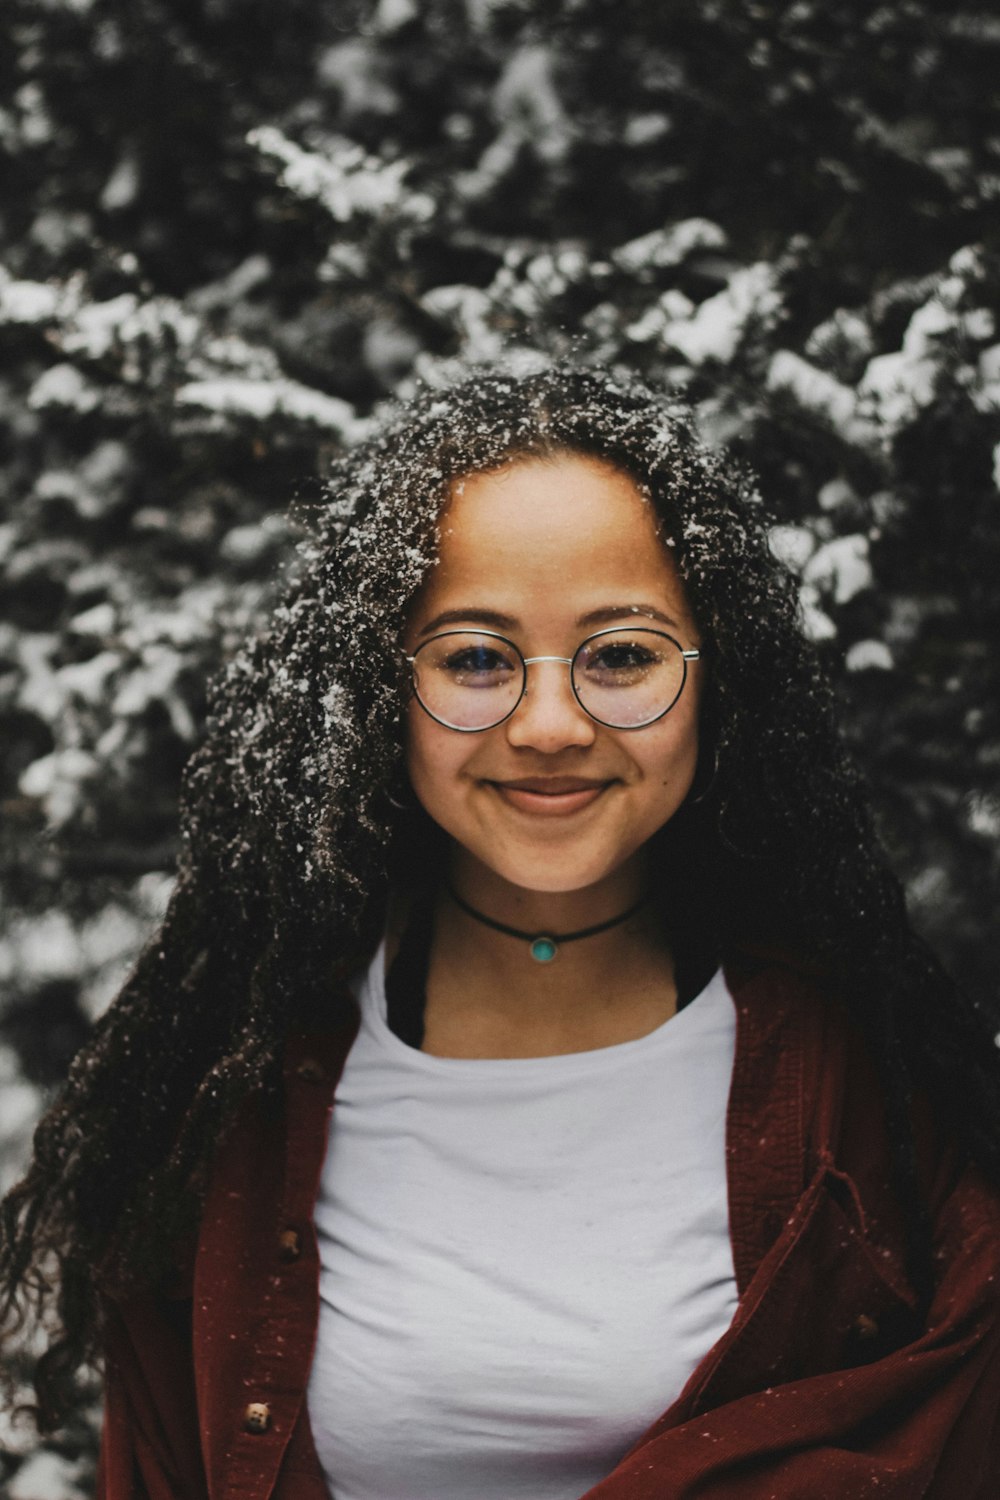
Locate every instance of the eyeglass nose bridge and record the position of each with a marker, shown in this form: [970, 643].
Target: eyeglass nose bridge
[529, 661]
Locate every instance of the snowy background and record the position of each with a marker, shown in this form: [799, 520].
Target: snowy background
[229, 228]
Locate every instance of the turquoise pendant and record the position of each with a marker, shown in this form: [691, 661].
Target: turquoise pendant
[544, 950]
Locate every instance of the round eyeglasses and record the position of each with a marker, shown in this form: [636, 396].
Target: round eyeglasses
[624, 678]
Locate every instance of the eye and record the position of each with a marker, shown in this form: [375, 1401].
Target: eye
[475, 666]
[621, 662]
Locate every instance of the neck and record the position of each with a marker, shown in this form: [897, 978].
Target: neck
[480, 959]
[552, 911]
[487, 997]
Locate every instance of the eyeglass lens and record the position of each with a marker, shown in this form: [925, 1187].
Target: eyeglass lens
[623, 678]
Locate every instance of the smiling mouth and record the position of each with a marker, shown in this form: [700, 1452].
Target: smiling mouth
[554, 796]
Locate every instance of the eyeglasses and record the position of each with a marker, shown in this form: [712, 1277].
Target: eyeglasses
[624, 678]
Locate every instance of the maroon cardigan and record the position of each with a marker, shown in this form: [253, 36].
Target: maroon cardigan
[826, 1386]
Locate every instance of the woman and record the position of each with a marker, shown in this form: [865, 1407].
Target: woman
[663, 1158]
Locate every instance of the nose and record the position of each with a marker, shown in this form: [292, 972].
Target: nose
[548, 717]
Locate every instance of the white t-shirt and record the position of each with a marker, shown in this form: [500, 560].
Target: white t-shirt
[522, 1259]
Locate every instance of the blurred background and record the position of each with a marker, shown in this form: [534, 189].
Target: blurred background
[229, 228]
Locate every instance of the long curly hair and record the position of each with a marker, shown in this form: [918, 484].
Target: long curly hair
[296, 822]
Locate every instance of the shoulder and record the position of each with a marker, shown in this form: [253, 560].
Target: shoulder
[798, 1024]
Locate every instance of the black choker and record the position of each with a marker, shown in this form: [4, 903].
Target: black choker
[543, 946]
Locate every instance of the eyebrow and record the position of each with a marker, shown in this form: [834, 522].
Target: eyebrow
[496, 621]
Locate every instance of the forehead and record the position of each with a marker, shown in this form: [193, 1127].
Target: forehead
[551, 532]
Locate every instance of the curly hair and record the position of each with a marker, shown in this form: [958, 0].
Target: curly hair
[295, 824]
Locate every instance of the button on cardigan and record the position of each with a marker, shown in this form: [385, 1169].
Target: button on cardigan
[827, 1385]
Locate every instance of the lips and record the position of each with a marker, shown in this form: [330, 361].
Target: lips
[552, 786]
[550, 796]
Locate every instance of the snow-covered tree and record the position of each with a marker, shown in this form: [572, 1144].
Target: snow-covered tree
[228, 230]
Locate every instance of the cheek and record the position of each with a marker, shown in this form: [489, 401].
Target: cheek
[670, 762]
[416, 748]
[432, 759]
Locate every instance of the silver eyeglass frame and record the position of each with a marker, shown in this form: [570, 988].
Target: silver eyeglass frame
[527, 661]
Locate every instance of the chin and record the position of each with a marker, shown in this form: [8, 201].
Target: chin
[544, 883]
[552, 876]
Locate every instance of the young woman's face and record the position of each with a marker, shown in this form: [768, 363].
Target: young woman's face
[546, 552]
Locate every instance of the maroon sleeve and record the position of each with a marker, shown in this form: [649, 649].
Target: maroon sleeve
[150, 1448]
[922, 1422]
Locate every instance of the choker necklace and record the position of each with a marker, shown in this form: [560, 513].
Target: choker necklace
[543, 946]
